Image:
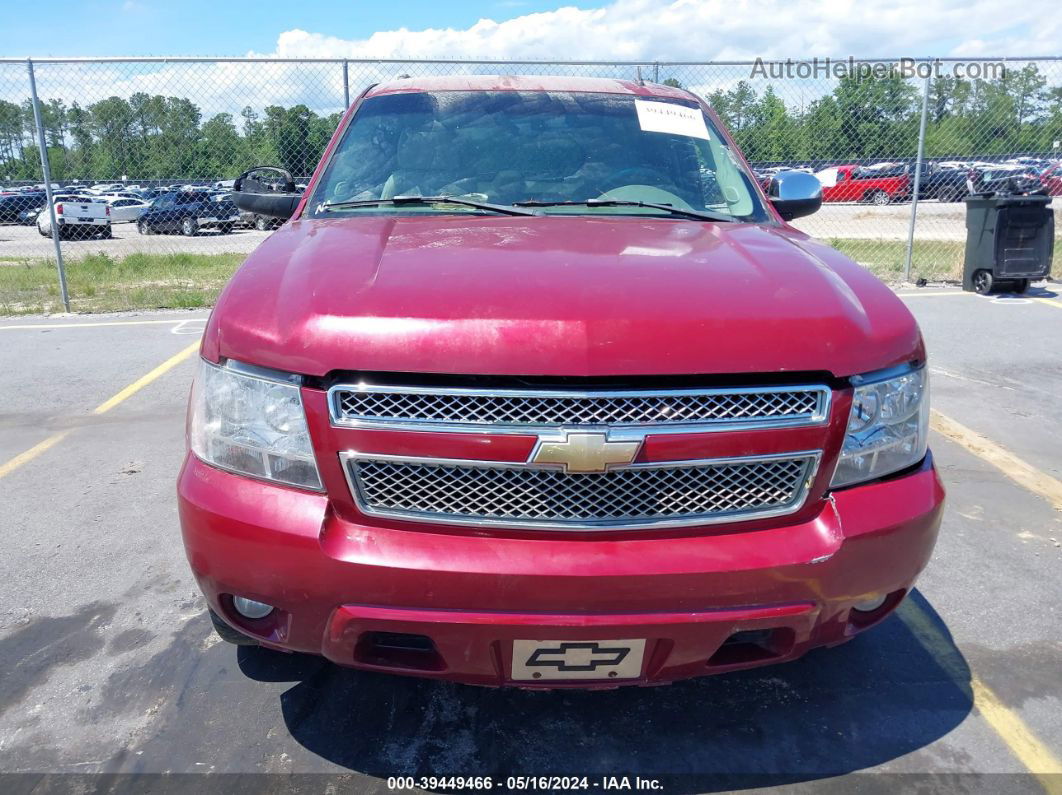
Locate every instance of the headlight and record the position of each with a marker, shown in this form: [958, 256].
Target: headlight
[252, 422]
[887, 428]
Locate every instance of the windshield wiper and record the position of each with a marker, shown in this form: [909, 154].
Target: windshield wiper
[399, 201]
[704, 215]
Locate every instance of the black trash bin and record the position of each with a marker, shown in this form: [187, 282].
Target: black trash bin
[1010, 239]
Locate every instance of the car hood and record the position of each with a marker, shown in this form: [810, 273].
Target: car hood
[556, 295]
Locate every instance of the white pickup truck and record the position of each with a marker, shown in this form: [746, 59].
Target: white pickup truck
[77, 217]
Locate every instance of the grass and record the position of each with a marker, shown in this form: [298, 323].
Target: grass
[932, 260]
[101, 283]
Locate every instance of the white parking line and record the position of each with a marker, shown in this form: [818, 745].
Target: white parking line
[195, 326]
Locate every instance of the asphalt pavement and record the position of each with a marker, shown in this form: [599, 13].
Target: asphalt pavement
[108, 663]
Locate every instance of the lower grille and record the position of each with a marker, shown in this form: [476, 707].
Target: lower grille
[678, 493]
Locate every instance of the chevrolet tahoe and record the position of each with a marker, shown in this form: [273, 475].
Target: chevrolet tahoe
[536, 387]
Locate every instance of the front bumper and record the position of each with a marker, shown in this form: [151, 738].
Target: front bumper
[339, 587]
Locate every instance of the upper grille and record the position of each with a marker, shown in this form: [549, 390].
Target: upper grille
[518, 408]
[685, 492]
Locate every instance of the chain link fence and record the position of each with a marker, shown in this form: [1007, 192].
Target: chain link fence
[130, 129]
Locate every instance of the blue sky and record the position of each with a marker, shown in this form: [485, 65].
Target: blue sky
[535, 29]
[233, 27]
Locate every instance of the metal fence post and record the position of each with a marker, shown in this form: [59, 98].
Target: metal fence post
[42, 145]
[346, 85]
[917, 179]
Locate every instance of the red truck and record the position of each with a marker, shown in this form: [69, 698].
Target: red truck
[537, 388]
[879, 185]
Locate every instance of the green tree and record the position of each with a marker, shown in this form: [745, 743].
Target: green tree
[879, 115]
[772, 132]
[222, 151]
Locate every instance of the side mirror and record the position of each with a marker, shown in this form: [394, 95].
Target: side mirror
[265, 190]
[795, 194]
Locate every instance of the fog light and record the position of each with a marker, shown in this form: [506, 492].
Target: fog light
[869, 606]
[248, 608]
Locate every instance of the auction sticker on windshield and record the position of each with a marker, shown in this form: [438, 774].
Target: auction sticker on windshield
[667, 118]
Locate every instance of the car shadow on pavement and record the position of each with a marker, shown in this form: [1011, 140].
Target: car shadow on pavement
[835, 711]
[1049, 290]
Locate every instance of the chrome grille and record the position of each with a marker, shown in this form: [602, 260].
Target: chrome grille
[535, 409]
[685, 492]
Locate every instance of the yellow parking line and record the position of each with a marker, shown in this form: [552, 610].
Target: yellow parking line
[42, 447]
[102, 323]
[1017, 735]
[33, 452]
[144, 380]
[1049, 302]
[1021, 472]
[1019, 738]
[933, 295]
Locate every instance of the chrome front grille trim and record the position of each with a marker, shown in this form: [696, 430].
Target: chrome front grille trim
[494, 493]
[623, 412]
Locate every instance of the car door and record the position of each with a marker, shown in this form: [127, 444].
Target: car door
[118, 214]
[138, 208]
[185, 204]
[125, 210]
[163, 214]
[843, 191]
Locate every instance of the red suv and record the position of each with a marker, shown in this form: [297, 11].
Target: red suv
[536, 387]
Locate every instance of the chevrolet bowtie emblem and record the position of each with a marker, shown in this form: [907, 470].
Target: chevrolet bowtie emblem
[577, 656]
[584, 452]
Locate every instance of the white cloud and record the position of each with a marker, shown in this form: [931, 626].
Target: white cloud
[636, 30]
[718, 30]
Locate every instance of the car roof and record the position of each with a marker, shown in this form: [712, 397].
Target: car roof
[590, 85]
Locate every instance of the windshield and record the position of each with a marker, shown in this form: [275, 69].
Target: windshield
[505, 147]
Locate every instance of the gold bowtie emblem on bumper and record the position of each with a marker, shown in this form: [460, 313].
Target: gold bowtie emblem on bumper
[580, 453]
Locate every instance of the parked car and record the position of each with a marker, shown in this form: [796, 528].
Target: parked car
[126, 210]
[573, 416]
[28, 217]
[187, 212]
[263, 223]
[852, 183]
[1051, 179]
[12, 205]
[1003, 179]
[937, 182]
[78, 217]
[1034, 164]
